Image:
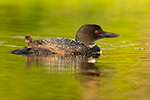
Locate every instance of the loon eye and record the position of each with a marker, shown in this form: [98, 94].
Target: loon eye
[96, 31]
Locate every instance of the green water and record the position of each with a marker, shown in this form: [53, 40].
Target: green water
[122, 72]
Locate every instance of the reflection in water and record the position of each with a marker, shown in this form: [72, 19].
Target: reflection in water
[82, 66]
[59, 63]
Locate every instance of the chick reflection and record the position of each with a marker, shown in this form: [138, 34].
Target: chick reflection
[64, 64]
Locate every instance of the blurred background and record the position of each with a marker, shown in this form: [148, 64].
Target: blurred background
[124, 64]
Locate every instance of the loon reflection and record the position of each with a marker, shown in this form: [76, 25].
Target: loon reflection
[82, 68]
[64, 64]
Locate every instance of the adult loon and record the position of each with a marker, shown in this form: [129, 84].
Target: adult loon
[82, 45]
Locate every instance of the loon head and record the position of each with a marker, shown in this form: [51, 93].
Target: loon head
[91, 32]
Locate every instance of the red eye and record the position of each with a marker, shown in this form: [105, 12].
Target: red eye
[96, 31]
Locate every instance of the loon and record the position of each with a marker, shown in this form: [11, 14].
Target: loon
[83, 44]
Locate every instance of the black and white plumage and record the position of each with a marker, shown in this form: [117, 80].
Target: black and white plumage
[61, 46]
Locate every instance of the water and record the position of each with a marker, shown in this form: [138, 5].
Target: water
[120, 73]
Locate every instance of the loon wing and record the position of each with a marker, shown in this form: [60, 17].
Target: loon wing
[64, 45]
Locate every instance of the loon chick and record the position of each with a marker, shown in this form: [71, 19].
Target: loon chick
[83, 44]
[28, 39]
[30, 43]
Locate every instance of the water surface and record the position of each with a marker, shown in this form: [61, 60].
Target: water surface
[120, 73]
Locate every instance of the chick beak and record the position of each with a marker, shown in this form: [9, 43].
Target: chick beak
[26, 40]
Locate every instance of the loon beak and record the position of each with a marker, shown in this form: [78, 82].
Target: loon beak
[109, 35]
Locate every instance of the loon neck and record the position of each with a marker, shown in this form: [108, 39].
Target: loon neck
[84, 38]
[85, 42]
